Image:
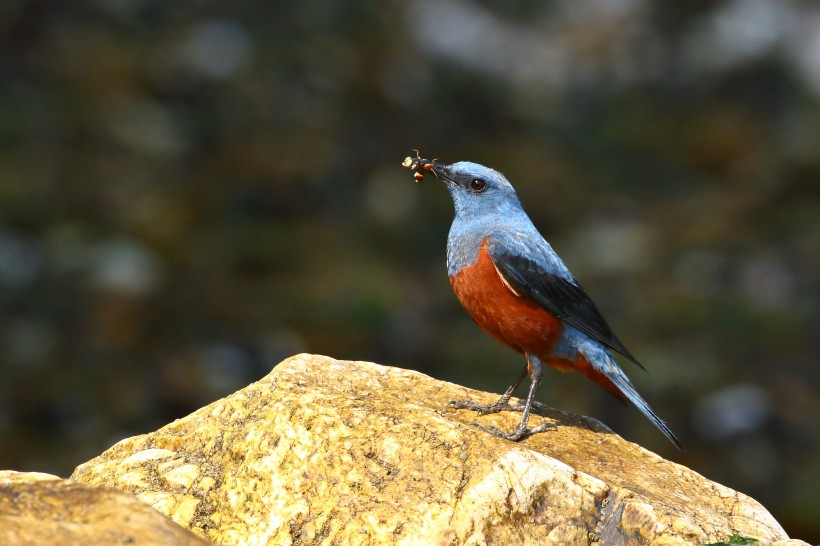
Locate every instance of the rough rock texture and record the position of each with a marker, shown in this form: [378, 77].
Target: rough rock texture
[323, 451]
[40, 509]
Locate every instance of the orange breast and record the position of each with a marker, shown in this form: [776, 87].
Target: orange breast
[514, 320]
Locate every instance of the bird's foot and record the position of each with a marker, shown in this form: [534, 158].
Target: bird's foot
[503, 404]
[518, 434]
[485, 409]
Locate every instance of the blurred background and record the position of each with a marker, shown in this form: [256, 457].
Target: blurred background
[192, 191]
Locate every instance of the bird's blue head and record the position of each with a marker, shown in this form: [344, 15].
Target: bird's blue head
[485, 203]
[477, 190]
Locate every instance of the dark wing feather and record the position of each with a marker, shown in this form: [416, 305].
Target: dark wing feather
[561, 296]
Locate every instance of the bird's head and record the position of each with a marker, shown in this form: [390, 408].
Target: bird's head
[476, 190]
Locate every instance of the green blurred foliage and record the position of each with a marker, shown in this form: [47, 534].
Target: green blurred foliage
[190, 192]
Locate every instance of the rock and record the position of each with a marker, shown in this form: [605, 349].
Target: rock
[324, 451]
[40, 508]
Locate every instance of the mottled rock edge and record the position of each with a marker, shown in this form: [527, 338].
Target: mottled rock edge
[38, 508]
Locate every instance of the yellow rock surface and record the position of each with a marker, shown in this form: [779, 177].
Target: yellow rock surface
[323, 451]
[39, 509]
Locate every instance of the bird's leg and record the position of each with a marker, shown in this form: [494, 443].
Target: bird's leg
[535, 369]
[501, 404]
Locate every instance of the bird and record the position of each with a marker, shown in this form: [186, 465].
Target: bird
[517, 289]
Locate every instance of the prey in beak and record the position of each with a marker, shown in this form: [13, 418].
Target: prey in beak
[422, 166]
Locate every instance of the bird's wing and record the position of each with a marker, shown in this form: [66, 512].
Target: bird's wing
[535, 271]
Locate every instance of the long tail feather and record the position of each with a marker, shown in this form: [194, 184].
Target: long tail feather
[625, 386]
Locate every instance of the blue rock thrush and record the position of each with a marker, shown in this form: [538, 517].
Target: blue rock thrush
[514, 285]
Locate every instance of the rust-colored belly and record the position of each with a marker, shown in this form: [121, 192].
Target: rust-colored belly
[514, 320]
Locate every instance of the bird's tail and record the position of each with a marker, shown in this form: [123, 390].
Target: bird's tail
[625, 386]
[604, 366]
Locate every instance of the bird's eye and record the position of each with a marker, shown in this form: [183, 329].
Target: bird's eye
[476, 184]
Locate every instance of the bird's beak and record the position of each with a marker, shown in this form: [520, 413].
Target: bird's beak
[442, 172]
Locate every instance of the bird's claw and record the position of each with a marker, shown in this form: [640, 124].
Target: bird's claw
[485, 409]
[521, 432]
[518, 434]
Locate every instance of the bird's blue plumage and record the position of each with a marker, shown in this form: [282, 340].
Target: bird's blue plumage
[497, 211]
[472, 222]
